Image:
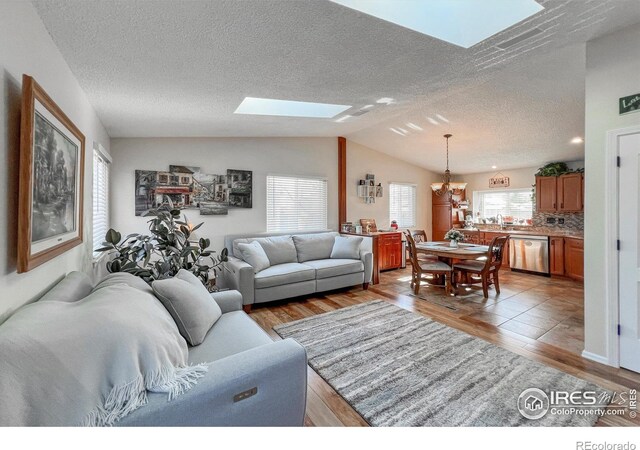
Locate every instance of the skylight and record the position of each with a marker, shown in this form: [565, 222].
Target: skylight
[460, 22]
[289, 108]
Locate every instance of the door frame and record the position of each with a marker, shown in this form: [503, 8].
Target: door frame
[612, 195]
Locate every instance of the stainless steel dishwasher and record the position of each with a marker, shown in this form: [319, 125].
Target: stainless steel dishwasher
[529, 254]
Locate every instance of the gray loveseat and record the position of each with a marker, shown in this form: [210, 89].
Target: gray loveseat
[251, 380]
[301, 264]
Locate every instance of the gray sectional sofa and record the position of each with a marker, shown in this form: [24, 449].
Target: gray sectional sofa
[300, 264]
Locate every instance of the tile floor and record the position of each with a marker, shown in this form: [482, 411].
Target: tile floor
[545, 309]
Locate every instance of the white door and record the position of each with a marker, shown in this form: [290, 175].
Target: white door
[629, 233]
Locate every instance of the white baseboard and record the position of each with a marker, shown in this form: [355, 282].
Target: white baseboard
[597, 358]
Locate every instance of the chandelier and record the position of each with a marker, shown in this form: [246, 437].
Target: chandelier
[447, 185]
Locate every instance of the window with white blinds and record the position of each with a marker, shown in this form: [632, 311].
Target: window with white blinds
[100, 200]
[402, 204]
[514, 203]
[296, 203]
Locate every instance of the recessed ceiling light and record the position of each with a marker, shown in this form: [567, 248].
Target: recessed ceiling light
[414, 126]
[432, 121]
[577, 140]
[385, 101]
[289, 108]
[461, 22]
[494, 167]
[398, 132]
[367, 106]
[444, 119]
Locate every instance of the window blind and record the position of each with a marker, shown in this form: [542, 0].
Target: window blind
[516, 203]
[100, 200]
[296, 203]
[402, 204]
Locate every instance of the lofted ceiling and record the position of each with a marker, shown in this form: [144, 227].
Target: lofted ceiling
[181, 68]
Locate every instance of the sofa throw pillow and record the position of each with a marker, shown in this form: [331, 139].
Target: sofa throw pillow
[311, 247]
[346, 248]
[73, 287]
[189, 303]
[123, 278]
[279, 249]
[254, 255]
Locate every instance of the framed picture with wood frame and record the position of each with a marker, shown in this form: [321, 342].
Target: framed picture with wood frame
[51, 179]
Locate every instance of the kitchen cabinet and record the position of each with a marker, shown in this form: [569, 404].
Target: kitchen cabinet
[556, 256]
[444, 212]
[546, 194]
[574, 258]
[570, 198]
[560, 194]
[389, 251]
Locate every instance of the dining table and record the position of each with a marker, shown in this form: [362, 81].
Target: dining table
[444, 251]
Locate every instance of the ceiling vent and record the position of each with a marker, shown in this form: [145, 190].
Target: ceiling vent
[516, 40]
[360, 112]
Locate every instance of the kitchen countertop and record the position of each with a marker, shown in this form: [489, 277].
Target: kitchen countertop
[573, 234]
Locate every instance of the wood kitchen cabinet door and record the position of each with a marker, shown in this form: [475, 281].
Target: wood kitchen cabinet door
[546, 194]
[570, 192]
[574, 258]
[389, 251]
[441, 221]
[556, 256]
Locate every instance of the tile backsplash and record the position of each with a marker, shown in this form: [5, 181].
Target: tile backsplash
[569, 221]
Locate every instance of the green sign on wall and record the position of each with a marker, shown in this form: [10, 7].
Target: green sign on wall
[630, 103]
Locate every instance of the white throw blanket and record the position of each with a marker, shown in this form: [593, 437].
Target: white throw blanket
[90, 362]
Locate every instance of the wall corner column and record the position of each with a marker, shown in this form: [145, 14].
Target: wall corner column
[342, 180]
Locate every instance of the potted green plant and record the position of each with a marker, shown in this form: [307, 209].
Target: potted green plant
[454, 237]
[162, 253]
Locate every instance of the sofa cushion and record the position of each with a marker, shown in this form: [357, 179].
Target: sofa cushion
[73, 287]
[254, 255]
[123, 278]
[279, 249]
[314, 246]
[284, 274]
[189, 303]
[233, 333]
[346, 247]
[327, 268]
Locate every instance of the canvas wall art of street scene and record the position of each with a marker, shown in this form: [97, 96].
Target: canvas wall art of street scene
[189, 188]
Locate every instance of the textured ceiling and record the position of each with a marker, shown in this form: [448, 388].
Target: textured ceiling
[180, 68]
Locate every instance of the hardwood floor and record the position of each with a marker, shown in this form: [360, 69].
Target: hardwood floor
[537, 317]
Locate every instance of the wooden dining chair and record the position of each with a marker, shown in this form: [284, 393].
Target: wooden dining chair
[418, 237]
[428, 271]
[484, 270]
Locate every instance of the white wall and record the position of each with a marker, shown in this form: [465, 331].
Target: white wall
[290, 156]
[25, 47]
[613, 71]
[362, 160]
[296, 156]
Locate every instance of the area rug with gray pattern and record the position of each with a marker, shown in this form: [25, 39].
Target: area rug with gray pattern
[398, 368]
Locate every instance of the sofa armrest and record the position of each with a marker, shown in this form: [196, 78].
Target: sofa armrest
[367, 260]
[278, 373]
[228, 300]
[238, 275]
